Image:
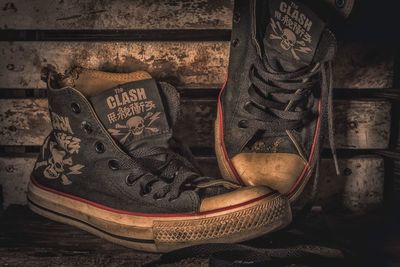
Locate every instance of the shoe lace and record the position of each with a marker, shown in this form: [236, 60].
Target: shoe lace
[173, 173]
[278, 100]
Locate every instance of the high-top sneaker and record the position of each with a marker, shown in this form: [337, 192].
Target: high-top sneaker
[108, 167]
[277, 98]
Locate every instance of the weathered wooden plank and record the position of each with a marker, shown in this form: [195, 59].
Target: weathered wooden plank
[192, 64]
[359, 187]
[368, 67]
[68, 256]
[119, 14]
[23, 121]
[360, 124]
[14, 177]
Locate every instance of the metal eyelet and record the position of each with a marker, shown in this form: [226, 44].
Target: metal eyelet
[340, 3]
[113, 164]
[99, 146]
[243, 124]
[87, 127]
[76, 108]
[128, 180]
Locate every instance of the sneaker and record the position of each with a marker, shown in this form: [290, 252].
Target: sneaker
[278, 95]
[111, 167]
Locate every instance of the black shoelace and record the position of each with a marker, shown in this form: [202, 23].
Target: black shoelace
[281, 102]
[171, 173]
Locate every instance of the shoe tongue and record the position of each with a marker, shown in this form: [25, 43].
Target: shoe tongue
[292, 36]
[134, 114]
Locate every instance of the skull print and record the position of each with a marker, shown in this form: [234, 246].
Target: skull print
[288, 39]
[136, 125]
[57, 162]
[58, 165]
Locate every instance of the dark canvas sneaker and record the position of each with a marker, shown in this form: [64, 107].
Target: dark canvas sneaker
[111, 167]
[277, 98]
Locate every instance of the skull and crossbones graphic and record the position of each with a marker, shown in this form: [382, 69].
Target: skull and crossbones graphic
[58, 164]
[135, 126]
[289, 41]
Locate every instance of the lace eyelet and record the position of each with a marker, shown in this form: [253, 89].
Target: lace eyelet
[340, 3]
[75, 108]
[87, 127]
[128, 180]
[243, 124]
[99, 147]
[113, 164]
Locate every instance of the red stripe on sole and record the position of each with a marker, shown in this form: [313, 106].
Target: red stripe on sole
[94, 204]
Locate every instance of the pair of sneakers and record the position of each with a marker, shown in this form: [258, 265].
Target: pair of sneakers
[111, 165]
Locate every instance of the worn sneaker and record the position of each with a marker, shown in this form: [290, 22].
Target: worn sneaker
[278, 95]
[111, 167]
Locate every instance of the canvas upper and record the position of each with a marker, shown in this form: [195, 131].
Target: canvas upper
[112, 145]
[276, 103]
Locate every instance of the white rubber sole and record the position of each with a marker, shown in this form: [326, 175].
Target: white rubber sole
[163, 233]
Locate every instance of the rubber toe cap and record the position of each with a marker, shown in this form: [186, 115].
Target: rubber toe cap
[278, 171]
